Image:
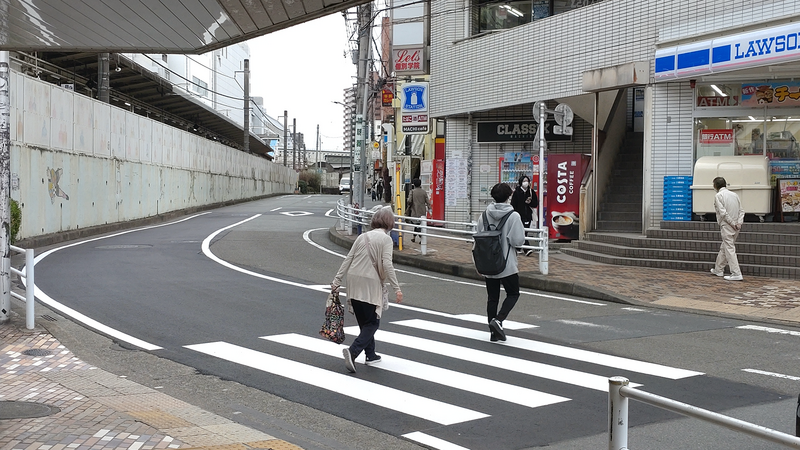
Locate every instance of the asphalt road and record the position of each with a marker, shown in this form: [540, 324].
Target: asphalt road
[222, 310]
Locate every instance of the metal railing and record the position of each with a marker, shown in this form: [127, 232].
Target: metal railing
[351, 217]
[619, 392]
[27, 275]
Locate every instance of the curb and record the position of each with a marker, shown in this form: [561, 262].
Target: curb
[529, 281]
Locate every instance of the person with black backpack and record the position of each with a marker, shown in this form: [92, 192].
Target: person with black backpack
[495, 258]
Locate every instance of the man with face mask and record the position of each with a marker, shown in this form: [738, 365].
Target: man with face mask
[524, 200]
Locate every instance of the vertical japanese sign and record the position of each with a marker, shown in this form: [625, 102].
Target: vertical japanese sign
[359, 142]
[564, 174]
[414, 108]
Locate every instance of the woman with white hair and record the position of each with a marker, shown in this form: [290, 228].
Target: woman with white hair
[368, 266]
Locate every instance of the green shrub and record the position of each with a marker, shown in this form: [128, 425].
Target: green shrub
[303, 186]
[312, 179]
[16, 219]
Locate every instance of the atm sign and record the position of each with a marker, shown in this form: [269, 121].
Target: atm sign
[716, 136]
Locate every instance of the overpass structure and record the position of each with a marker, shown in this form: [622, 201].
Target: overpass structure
[120, 166]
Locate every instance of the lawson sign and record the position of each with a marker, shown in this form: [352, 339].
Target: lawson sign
[740, 51]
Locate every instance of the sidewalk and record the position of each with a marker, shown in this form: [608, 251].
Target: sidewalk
[761, 299]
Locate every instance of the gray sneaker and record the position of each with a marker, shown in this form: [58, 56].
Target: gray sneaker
[348, 360]
[373, 360]
[719, 274]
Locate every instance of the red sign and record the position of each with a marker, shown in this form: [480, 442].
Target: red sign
[407, 60]
[386, 97]
[564, 174]
[716, 136]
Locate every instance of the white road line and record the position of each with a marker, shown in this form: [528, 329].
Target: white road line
[432, 442]
[532, 368]
[394, 399]
[328, 214]
[557, 350]
[86, 320]
[275, 209]
[772, 374]
[769, 330]
[307, 238]
[475, 318]
[470, 383]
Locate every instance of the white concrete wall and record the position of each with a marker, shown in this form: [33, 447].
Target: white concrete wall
[77, 162]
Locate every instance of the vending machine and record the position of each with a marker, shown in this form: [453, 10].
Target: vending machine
[513, 165]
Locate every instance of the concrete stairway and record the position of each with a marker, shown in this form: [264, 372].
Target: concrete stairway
[621, 208]
[763, 249]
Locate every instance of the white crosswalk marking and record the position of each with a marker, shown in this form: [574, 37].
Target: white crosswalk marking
[470, 383]
[556, 350]
[411, 404]
[531, 368]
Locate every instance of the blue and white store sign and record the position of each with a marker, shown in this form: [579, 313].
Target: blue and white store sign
[752, 49]
[414, 108]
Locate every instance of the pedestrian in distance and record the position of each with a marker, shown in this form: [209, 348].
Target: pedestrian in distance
[730, 217]
[418, 205]
[524, 200]
[368, 266]
[512, 236]
[380, 189]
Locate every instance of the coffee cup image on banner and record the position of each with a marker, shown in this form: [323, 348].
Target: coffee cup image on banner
[565, 224]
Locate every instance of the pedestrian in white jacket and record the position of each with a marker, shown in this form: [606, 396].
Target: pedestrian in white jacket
[730, 217]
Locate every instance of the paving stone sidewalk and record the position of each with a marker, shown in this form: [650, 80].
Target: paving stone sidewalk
[755, 298]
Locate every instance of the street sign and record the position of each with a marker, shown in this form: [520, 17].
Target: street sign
[536, 110]
[564, 117]
[414, 108]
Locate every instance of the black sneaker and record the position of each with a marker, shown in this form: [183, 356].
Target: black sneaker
[497, 327]
[373, 360]
[348, 360]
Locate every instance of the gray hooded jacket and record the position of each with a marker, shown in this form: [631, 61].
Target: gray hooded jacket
[513, 234]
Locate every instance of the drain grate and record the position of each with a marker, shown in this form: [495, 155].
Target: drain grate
[48, 317]
[36, 352]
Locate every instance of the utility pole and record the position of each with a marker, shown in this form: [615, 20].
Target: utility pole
[294, 144]
[247, 106]
[5, 187]
[285, 136]
[316, 156]
[103, 83]
[364, 55]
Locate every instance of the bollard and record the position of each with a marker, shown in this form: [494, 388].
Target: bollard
[617, 414]
[423, 238]
[544, 263]
[30, 289]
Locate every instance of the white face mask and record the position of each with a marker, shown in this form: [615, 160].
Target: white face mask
[525, 185]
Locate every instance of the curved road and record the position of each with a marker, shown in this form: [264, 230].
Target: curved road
[238, 293]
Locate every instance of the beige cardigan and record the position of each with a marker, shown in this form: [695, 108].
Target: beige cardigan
[363, 282]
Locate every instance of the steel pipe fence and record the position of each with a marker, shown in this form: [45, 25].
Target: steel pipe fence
[619, 392]
[351, 217]
[27, 276]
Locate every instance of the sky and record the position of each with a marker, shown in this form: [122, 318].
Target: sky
[303, 70]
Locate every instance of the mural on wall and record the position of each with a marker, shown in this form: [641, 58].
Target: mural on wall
[53, 176]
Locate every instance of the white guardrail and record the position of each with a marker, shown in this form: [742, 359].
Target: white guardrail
[351, 217]
[619, 392]
[27, 274]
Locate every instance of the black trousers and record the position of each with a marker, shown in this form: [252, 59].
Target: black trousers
[369, 323]
[511, 286]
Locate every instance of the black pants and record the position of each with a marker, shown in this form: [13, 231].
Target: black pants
[511, 286]
[368, 322]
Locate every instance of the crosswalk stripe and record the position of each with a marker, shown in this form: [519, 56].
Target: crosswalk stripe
[616, 362]
[508, 324]
[432, 442]
[470, 383]
[394, 399]
[531, 368]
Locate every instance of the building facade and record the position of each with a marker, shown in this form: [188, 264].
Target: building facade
[610, 62]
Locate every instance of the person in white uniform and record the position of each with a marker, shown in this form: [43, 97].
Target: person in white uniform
[730, 217]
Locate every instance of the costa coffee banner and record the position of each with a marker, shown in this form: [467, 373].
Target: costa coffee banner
[517, 131]
[724, 136]
[564, 175]
[408, 61]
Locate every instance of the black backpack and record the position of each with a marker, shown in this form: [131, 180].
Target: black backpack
[487, 251]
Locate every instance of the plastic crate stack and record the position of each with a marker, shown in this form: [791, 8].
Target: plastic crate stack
[677, 198]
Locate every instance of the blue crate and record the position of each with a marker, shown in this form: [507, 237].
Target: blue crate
[677, 217]
[678, 195]
[678, 178]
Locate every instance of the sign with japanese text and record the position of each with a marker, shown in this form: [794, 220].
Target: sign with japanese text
[387, 96]
[408, 61]
[790, 195]
[724, 136]
[779, 94]
[414, 108]
[517, 131]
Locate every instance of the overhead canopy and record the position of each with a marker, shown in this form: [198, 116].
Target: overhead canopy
[150, 26]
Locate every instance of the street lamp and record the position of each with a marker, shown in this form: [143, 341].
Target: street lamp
[352, 144]
[285, 134]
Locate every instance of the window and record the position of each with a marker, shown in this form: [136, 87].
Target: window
[199, 86]
[493, 15]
